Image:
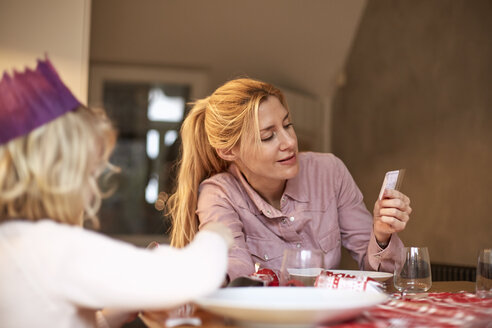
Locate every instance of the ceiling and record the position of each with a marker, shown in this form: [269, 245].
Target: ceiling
[301, 45]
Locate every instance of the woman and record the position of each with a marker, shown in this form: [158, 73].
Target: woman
[241, 166]
[53, 273]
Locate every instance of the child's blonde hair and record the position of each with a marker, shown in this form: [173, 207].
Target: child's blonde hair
[221, 121]
[52, 172]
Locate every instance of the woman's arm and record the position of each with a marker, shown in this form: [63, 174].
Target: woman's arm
[356, 226]
[213, 206]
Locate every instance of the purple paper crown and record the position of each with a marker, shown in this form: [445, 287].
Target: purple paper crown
[31, 99]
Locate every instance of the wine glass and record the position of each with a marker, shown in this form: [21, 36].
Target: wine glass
[413, 271]
[300, 267]
[484, 274]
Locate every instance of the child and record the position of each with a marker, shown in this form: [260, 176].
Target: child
[53, 273]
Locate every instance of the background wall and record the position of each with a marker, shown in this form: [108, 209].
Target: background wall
[29, 29]
[418, 96]
[300, 45]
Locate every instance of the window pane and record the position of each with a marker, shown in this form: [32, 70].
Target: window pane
[147, 117]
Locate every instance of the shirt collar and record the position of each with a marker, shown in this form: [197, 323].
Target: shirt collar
[293, 189]
[296, 187]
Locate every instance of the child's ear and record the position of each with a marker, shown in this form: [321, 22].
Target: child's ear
[227, 154]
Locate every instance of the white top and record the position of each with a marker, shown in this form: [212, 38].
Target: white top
[56, 275]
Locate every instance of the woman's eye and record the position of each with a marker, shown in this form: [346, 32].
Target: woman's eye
[290, 125]
[270, 137]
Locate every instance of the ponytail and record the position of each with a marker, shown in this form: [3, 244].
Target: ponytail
[198, 162]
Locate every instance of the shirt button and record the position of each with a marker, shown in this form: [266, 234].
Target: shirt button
[292, 219]
[298, 245]
[266, 257]
[283, 199]
[269, 212]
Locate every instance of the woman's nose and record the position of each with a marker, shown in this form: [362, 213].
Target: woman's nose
[288, 139]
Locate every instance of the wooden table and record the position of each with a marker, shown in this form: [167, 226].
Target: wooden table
[443, 286]
[212, 321]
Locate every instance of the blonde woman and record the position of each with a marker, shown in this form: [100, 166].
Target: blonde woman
[240, 166]
[53, 273]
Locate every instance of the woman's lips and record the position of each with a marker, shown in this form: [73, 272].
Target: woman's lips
[289, 160]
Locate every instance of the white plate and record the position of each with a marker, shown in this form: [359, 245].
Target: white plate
[376, 275]
[288, 306]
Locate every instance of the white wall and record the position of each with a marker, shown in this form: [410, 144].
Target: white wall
[29, 29]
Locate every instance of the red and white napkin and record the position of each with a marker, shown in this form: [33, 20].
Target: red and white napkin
[327, 279]
[436, 310]
[331, 280]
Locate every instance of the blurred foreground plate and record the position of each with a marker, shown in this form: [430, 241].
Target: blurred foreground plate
[376, 275]
[288, 306]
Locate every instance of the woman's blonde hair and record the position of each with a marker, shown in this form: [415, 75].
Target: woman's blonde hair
[52, 172]
[221, 121]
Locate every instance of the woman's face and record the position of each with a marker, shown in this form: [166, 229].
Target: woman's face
[276, 160]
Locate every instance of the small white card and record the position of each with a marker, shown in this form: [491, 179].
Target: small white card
[392, 180]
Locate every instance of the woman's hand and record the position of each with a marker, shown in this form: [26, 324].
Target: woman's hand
[391, 214]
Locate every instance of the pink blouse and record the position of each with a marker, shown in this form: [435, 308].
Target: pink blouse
[321, 208]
